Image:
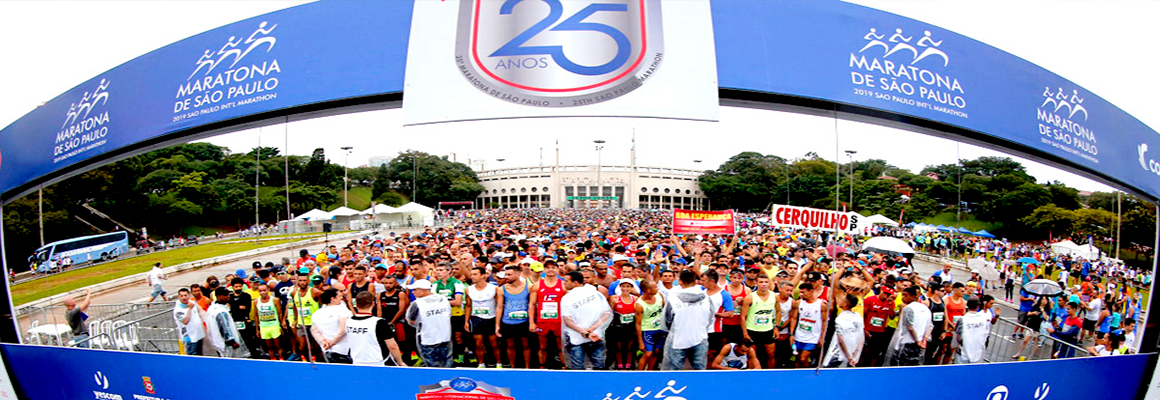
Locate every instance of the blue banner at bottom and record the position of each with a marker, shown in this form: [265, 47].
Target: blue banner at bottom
[67, 373]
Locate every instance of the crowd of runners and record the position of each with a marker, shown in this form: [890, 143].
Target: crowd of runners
[614, 289]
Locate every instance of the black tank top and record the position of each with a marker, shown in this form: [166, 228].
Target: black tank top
[389, 304]
[355, 290]
[938, 311]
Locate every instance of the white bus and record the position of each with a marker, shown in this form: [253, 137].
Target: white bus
[83, 249]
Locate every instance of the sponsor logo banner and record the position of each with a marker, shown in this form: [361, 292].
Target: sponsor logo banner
[814, 218]
[487, 59]
[73, 378]
[482, 59]
[704, 222]
[463, 389]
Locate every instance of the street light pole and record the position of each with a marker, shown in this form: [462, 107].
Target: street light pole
[850, 157]
[497, 162]
[414, 176]
[787, 182]
[257, 172]
[346, 177]
[599, 186]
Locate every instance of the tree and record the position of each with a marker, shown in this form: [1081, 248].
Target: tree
[747, 181]
[392, 198]
[320, 172]
[1050, 218]
[382, 182]
[1096, 222]
[438, 179]
[1064, 196]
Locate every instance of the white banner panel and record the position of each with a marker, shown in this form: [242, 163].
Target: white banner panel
[491, 59]
[815, 218]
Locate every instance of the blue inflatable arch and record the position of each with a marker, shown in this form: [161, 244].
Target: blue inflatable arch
[816, 57]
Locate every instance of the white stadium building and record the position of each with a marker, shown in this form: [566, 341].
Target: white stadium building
[590, 186]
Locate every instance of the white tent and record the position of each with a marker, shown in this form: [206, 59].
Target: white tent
[880, 219]
[415, 214]
[378, 209]
[1076, 250]
[343, 212]
[315, 214]
[380, 214]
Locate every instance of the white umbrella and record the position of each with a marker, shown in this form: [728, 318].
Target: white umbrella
[1043, 287]
[989, 272]
[888, 245]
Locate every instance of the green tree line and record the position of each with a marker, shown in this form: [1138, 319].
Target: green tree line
[200, 187]
[997, 190]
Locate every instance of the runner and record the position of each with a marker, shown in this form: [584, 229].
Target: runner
[330, 327]
[759, 313]
[453, 290]
[940, 338]
[267, 311]
[913, 322]
[514, 324]
[650, 332]
[736, 356]
[546, 303]
[481, 306]
[849, 336]
[304, 302]
[956, 308]
[220, 328]
[189, 317]
[154, 279]
[721, 303]
[621, 331]
[810, 326]
[688, 313]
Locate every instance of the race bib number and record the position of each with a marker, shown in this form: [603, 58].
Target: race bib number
[763, 320]
[482, 312]
[807, 328]
[304, 312]
[241, 325]
[518, 315]
[446, 293]
[627, 318]
[937, 317]
[876, 321]
[550, 311]
[958, 318]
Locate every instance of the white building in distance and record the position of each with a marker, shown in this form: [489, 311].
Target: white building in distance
[591, 186]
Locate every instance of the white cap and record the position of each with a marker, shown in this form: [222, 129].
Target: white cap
[624, 281]
[527, 260]
[619, 257]
[501, 274]
[420, 284]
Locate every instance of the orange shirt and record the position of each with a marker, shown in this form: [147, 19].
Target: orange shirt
[955, 309]
[204, 303]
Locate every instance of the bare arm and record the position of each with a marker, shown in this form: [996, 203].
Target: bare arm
[716, 364]
[745, 315]
[84, 304]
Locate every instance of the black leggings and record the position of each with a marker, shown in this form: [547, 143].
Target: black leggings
[1010, 287]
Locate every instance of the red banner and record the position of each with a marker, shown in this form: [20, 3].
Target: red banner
[704, 222]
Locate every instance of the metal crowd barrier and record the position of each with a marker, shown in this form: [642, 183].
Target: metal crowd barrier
[153, 333]
[1003, 347]
[39, 317]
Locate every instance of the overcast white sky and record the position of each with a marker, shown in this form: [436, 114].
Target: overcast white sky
[1105, 46]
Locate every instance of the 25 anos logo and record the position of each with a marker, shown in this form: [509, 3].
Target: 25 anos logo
[553, 53]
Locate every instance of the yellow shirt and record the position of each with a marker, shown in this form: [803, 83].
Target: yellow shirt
[893, 322]
[771, 272]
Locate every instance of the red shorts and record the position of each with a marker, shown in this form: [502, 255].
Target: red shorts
[546, 327]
